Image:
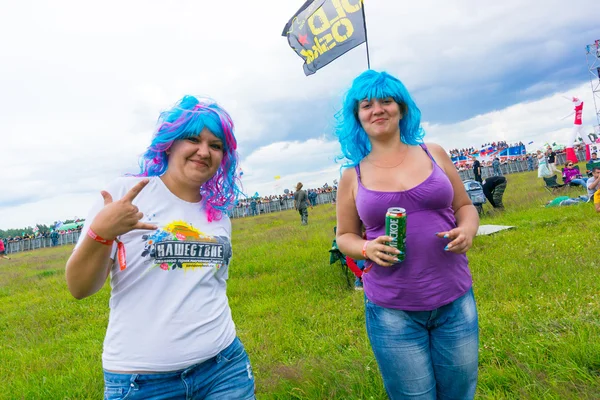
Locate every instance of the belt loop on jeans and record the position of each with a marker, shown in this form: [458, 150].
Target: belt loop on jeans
[133, 382]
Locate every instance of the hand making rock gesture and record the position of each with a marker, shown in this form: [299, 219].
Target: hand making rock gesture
[121, 216]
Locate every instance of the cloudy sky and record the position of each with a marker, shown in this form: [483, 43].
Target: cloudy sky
[82, 83]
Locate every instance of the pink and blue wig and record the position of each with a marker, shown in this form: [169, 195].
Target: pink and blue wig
[187, 118]
[374, 85]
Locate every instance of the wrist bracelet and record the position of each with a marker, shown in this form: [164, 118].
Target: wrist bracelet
[364, 249]
[99, 239]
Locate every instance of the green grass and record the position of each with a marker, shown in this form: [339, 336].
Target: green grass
[537, 288]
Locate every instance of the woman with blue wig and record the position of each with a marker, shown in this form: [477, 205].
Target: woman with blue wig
[420, 312]
[164, 238]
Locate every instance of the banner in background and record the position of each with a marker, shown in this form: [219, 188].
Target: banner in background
[488, 154]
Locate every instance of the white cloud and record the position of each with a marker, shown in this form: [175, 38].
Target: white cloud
[83, 82]
[539, 121]
[311, 162]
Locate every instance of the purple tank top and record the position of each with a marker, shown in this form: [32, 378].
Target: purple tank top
[429, 277]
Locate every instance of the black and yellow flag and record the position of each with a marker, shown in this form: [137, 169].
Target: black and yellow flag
[323, 30]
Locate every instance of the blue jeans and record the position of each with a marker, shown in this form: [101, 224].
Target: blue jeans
[579, 182]
[226, 376]
[426, 354]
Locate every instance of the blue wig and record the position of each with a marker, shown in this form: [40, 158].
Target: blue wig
[187, 118]
[374, 85]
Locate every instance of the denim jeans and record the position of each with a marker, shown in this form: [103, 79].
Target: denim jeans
[426, 354]
[226, 376]
[579, 182]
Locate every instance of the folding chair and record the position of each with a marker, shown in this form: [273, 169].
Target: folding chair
[336, 255]
[552, 185]
[590, 165]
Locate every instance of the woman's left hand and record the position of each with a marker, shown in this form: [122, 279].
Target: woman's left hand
[460, 240]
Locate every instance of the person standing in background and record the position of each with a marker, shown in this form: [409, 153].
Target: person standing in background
[312, 196]
[54, 237]
[476, 169]
[301, 203]
[529, 162]
[543, 168]
[3, 250]
[496, 166]
[551, 159]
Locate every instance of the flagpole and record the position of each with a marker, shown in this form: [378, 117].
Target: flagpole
[366, 39]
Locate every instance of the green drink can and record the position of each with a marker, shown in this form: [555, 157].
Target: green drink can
[395, 226]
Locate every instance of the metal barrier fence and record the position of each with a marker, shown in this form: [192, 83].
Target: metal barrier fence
[238, 212]
[276, 205]
[517, 166]
[38, 243]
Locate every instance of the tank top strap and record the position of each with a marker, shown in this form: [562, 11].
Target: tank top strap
[424, 147]
[357, 169]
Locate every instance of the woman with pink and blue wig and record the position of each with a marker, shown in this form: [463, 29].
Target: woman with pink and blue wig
[420, 312]
[164, 237]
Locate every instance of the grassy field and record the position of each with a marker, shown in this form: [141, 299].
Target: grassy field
[537, 288]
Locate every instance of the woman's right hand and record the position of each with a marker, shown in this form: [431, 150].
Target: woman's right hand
[377, 251]
[121, 216]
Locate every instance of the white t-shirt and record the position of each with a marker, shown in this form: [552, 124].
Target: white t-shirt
[168, 307]
[589, 184]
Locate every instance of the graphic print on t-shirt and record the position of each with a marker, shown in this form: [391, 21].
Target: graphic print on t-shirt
[180, 245]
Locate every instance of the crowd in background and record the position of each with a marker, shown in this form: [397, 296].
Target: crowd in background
[257, 205]
[249, 206]
[53, 235]
[466, 152]
[525, 157]
[529, 157]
